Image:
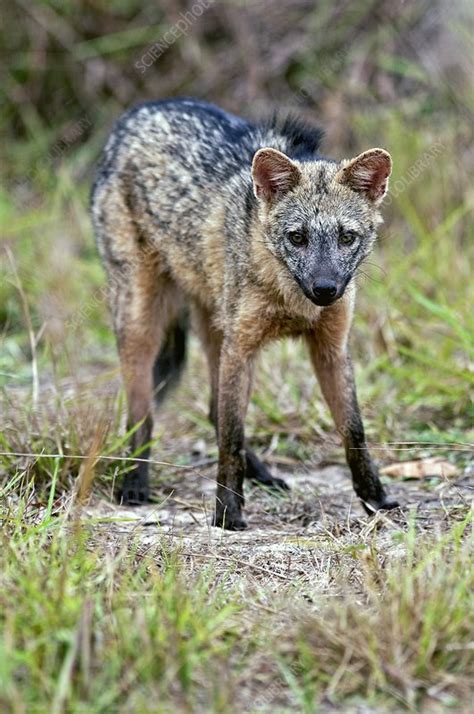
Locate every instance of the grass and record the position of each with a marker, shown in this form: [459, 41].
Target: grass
[316, 608]
[97, 617]
[409, 627]
[76, 612]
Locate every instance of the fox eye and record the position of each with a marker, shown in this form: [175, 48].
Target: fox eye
[298, 238]
[347, 238]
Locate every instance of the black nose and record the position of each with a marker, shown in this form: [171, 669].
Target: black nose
[324, 291]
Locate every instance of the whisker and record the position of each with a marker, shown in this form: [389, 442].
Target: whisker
[375, 265]
[362, 273]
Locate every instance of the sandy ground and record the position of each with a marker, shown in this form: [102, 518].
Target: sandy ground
[294, 538]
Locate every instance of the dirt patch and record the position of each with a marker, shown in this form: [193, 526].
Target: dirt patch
[295, 539]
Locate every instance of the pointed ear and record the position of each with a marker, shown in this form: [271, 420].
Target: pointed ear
[368, 173]
[273, 174]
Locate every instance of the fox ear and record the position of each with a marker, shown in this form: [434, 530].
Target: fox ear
[368, 173]
[273, 174]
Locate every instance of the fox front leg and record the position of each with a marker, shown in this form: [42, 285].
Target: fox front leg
[234, 387]
[333, 368]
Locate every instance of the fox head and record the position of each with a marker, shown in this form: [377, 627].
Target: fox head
[320, 217]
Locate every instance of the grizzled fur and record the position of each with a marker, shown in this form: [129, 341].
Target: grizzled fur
[249, 229]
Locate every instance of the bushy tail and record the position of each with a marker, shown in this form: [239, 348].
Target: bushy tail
[171, 359]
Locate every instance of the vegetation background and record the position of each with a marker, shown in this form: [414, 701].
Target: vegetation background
[350, 616]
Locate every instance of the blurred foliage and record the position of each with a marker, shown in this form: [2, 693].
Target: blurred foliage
[73, 60]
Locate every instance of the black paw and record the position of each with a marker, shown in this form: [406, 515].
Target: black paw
[229, 523]
[381, 504]
[258, 473]
[134, 492]
[273, 482]
[229, 516]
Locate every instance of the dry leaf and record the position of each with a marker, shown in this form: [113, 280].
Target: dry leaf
[422, 468]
